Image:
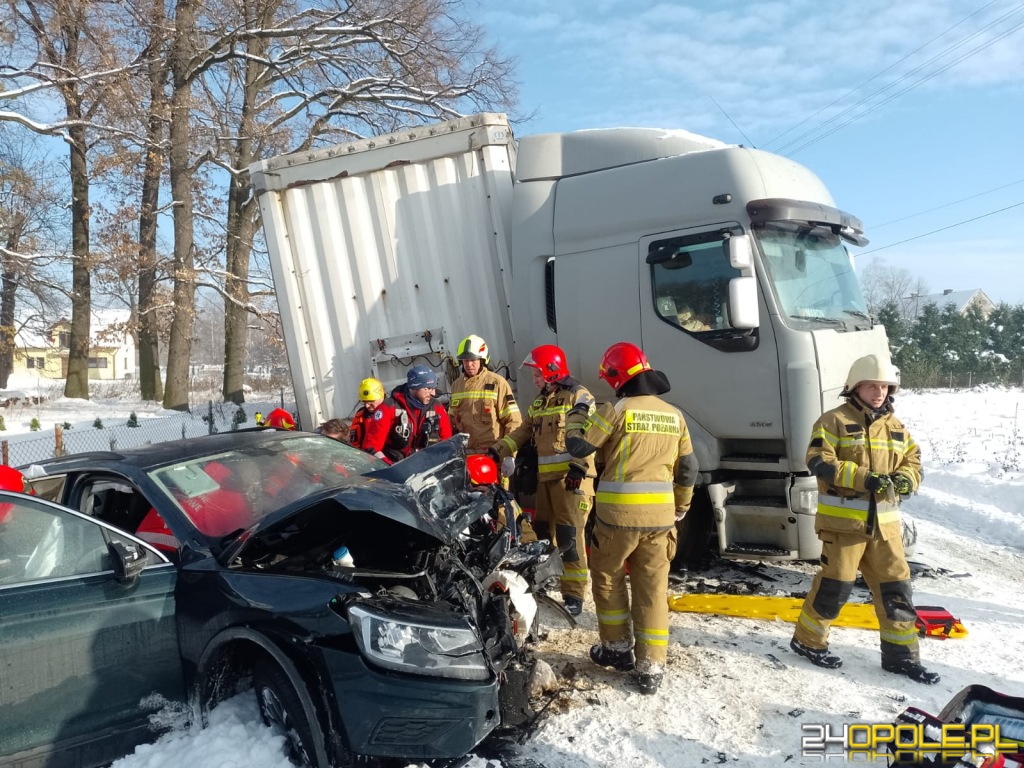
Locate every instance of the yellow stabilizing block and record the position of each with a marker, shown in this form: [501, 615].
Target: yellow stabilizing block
[860, 615]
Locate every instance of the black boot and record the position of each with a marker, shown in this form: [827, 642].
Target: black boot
[649, 677]
[819, 657]
[573, 605]
[912, 669]
[624, 661]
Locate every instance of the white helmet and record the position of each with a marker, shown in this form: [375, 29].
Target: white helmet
[872, 368]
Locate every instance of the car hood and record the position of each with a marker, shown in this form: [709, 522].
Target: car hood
[430, 492]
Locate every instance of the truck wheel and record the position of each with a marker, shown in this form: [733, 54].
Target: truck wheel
[281, 709]
[694, 533]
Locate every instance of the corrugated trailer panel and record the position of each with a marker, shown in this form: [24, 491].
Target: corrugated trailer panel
[385, 254]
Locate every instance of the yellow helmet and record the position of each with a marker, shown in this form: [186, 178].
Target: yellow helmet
[370, 390]
[473, 348]
[872, 368]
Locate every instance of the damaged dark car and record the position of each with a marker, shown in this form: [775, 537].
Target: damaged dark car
[374, 611]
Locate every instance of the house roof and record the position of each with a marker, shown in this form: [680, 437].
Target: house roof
[959, 299]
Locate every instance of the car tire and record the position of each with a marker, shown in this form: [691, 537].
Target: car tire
[694, 534]
[281, 708]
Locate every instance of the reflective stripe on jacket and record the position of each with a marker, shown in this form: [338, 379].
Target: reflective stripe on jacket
[641, 441]
[484, 408]
[545, 423]
[849, 443]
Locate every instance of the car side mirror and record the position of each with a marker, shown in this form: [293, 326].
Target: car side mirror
[128, 559]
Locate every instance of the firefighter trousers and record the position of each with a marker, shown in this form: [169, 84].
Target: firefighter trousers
[644, 618]
[561, 516]
[883, 564]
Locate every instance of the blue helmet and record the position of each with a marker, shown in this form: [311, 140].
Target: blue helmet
[419, 376]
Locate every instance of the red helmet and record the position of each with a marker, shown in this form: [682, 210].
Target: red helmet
[12, 480]
[482, 469]
[279, 418]
[621, 362]
[549, 360]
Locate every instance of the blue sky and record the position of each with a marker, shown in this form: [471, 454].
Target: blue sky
[936, 87]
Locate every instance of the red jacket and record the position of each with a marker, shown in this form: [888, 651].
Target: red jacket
[370, 429]
[426, 425]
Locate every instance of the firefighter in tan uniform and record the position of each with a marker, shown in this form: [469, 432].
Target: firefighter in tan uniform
[646, 486]
[482, 404]
[564, 494]
[865, 461]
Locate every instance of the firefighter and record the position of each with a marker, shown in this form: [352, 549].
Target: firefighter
[279, 418]
[371, 426]
[865, 461]
[645, 488]
[565, 494]
[482, 403]
[420, 420]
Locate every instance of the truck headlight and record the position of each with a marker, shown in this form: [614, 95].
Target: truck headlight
[441, 650]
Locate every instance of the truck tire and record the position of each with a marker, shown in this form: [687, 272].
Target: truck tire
[281, 709]
[694, 533]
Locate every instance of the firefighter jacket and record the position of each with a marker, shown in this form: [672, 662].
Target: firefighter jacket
[649, 465]
[370, 429]
[415, 428]
[545, 425]
[848, 443]
[484, 408]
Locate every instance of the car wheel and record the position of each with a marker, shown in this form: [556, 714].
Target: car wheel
[694, 533]
[281, 709]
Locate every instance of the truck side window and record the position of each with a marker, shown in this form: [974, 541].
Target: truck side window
[691, 285]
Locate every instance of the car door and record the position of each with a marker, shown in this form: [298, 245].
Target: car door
[85, 654]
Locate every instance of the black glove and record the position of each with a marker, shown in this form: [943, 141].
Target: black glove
[575, 476]
[902, 484]
[877, 483]
[494, 455]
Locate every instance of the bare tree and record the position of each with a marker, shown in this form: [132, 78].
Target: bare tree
[75, 61]
[316, 75]
[883, 284]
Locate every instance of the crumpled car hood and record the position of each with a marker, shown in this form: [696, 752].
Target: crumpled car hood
[430, 492]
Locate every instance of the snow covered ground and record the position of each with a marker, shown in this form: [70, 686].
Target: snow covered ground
[734, 693]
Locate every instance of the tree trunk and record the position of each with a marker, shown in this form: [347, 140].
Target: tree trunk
[179, 350]
[150, 385]
[77, 383]
[241, 225]
[8, 297]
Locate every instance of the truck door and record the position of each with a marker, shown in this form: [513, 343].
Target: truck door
[725, 379]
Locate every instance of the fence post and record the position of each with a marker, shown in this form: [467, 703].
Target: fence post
[970, 378]
[5, 449]
[209, 418]
[58, 440]
[113, 444]
[183, 430]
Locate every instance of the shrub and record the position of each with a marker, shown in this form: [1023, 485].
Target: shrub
[98, 424]
[133, 420]
[34, 425]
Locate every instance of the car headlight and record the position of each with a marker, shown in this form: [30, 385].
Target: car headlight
[441, 650]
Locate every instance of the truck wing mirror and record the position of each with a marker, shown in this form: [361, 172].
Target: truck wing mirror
[743, 302]
[738, 248]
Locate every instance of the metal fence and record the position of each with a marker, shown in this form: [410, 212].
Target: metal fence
[20, 450]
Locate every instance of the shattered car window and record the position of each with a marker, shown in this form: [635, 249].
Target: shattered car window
[232, 490]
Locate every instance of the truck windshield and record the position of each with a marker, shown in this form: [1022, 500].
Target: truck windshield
[811, 274]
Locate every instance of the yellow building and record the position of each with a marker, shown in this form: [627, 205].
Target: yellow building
[111, 349]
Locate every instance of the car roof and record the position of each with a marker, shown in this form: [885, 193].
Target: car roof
[158, 454]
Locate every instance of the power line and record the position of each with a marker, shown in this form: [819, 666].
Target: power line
[942, 229]
[875, 227]
[910, 87]
[941, 54]
[879, 74]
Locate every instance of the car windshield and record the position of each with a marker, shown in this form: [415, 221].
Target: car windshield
[811, 274]
[223, 492]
